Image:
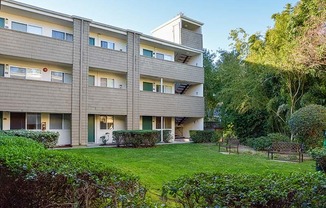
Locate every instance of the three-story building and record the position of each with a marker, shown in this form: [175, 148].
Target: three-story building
[84, 79]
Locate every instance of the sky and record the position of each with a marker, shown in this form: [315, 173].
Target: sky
[219, 16]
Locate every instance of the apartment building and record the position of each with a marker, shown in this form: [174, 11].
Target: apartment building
[85, 79]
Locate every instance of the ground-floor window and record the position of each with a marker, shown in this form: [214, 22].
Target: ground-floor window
[167, 122]
[60, 121]
[33, 121]
[106, 122]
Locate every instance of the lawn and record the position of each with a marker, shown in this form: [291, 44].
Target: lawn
[163, 163]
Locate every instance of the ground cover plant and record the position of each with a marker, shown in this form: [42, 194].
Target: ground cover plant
[164, 163]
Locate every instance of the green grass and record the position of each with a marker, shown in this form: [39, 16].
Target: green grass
[163, 163]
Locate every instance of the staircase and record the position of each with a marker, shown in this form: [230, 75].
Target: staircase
[182, 58]
[181, 88]
[180, 120]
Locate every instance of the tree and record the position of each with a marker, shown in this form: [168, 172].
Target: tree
[308, 123]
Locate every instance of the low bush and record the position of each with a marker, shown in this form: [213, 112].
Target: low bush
[136, 138]
[319, 155]
[242, 190]
[262, 143]
[203, 136]
[31, 176]
[48, 138]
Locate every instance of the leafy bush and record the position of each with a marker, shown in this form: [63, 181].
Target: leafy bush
[31, 176]
[308, 123]
[319, 154]
[242, 190]
[48, 138]
[203, 136]
[262, 143]
[136, 138]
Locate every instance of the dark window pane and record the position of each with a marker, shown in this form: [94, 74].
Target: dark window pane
[2, 70]
[2, 22]
[33, 121]
[148, 86]
[66, 121]
[55, 121]
[17, 120]
[58, 35]
[147, 53]
[104, 44]
[92, 41]
[69, 37]
[103, 122]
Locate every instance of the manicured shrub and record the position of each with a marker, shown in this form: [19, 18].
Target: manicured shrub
[319, 154]
[242, 190]
[203, 136]
[48, 138]
[31, 176]
[136, 138]
[307, 125]
[264, 142]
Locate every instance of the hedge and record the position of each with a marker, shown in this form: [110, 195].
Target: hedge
[136, 138]
[48, 138]
[203, 136]
[263, 142]
[242, 190]
[31, 176]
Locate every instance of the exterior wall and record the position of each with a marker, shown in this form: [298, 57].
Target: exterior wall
[119, 124]
[102, 100]
[103, 58]
[120, 45]
[196, 90]
[191, 39]
[35, 96]
[170, 105]
[47, 27]
[156, 50]
[192, 124]
[133, 77]
[196, 61]
[169, 32]
[171, 70]
[35, 47]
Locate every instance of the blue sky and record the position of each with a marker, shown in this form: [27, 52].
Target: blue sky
[218, 16]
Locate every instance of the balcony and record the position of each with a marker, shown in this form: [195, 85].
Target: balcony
[191, 39]
[103, 58]
[157, 104]
[108, 101]
[171, 70]
[30, 46]
[35, 96]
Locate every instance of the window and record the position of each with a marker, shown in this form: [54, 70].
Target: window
[61, 77]
[16, 72]
[60, 121]
[91, 41]
[111, 83]
[26, 28]
[111, 45]
[168, 57]
[33, 121]
[104, 82]
[33, 74]
[160, 56]
[2, 70]
[62, 36]
[167, 122]
[168, 89]
[104, 44]
[91, 80]
[34, 29]
[2, 22]
[106, 122]
[147, 86]
[19, 26]
[147, 53]
[158, 88]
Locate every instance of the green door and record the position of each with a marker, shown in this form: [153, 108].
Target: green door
[147, 122]
[147, 86]
[91, 128]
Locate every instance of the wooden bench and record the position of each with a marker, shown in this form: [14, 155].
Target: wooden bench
[228, 144]
[286, 148]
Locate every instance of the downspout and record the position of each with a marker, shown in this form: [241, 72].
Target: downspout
[133, 79]
[81, 76]
[161, 116]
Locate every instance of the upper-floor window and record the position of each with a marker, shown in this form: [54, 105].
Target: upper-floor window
[62, 35]
[147, 86]
[25, 73]
[26, 28]
[91, 80]
[106, 44]
[160, 56]
[147, 53]
[61, 77]
[166, 89]
[105, 82]
[91, 41]
[2, 22]
[2, 70]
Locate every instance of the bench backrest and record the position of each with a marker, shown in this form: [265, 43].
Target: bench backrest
[286, 146]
